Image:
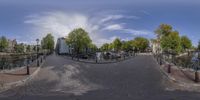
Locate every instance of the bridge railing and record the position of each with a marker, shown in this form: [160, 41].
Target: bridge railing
[103, 58]
[9, 63]
[172, 60]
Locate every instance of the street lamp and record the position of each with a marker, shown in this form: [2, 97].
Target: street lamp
[37, 40]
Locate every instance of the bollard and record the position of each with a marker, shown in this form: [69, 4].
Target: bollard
[160, 61]
[27, 70]
[28, 73]
[38, 63]
[169, 68]
[196, 76]
[41, 60]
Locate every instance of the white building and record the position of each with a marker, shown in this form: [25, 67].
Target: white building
[156, 46]
[11, 45]
[62, 47]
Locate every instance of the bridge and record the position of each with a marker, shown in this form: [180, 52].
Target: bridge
[61, 78]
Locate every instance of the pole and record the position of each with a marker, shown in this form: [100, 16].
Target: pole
[196, 76]
[37, 53]
[28, 72]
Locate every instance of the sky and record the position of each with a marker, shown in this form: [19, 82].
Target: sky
[104, 20]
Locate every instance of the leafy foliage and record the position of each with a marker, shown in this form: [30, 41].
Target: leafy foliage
[28, 48]
[78, 39]
[19, 48]
[140, 43]
[163, 30]
[105, 47]
[186, 42]
[117, 44]
[48, 42]
[171, 42]
[127, 45]
[3, 43]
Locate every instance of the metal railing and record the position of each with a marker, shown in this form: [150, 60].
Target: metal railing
[92, 58]
[8, 63]
[170, 60]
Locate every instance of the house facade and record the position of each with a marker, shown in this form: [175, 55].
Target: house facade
[156, 48]
[11, 45]
[62, 47]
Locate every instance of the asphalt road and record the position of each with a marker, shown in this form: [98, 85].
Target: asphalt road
[62, 79]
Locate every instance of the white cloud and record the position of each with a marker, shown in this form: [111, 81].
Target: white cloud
[113, 27]
[120, 27]
[137, 32]
[115, 17]
[61, 23]
[145, 12]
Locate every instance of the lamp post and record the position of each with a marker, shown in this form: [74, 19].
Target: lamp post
[196, 70]
[72, 52]
[37, 40]
[27, 68]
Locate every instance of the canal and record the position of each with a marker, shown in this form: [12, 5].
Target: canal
[8, 62]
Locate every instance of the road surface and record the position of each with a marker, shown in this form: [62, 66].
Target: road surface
[138, 78]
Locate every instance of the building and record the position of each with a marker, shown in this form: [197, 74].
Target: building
[62, 47]
[11, 45]
[155, 44]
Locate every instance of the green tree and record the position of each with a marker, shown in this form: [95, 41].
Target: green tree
[198, 45]
[126, 45]
[105, 47]
[28, 48]
[171, 42]
[140, 43]
[163, 30]
[19, 48]
[186, 42]
[48, 42]
[117, 44]
[110, 47]
[3, 43]
[78, 39]
[93, 47]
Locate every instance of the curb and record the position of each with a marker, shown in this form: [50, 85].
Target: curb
[167, 75]
[172, 79]
[8, 86]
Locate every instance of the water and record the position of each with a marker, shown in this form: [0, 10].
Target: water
[13, 61]
[187, 61]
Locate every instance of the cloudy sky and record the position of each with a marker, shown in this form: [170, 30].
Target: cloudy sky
[104, 20]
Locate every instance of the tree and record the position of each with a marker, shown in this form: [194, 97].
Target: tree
[93, 47]
[186, 42]
[171, 42]
[19, 48]
[110, 47]
[198, 45]
[3, 43]
[48, 42]
[105, 47]
[78, 39]
[126, 45]
[28, 48]
[163, 30]
[140, 43]
[117, 44]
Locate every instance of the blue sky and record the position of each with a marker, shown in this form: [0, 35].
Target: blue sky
[26, 20]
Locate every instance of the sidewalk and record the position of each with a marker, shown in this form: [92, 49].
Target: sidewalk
[15, 78]
[182, 77]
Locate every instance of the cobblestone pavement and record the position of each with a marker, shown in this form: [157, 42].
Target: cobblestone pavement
[62, 79]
